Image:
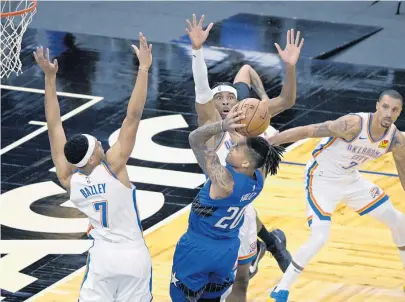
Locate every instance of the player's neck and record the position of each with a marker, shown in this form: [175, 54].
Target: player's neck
[376, 129]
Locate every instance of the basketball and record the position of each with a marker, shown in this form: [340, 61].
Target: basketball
[257, 116]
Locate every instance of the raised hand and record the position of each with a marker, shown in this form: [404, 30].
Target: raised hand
[196, 33]
[292, 50]
[231, 122]
[144, 52]
[43, 61]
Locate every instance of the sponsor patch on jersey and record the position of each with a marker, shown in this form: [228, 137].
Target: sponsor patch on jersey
[384, 144]
[374, 192]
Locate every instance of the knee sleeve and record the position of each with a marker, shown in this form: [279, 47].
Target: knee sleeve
[393, 219]
[319, 237]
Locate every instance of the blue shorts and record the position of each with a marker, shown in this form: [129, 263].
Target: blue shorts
[202, 267]
[243, 89]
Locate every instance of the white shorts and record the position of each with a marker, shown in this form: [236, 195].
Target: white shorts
[248, 237]
[324, 190]
[120, 272]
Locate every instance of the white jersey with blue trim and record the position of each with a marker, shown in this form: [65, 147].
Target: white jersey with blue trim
[109, 205]
[226, 143]
[342, 157]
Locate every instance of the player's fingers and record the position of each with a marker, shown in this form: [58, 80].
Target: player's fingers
[190, 27]
[288, 37]
[200, 23]
[35, 56]
[150, 47]
[301, 43]
[292, 36]
[278, 47]
[209, 27]
[135, 49]
[297, 39]
[55, 62]
[236, 126]
[194, 21]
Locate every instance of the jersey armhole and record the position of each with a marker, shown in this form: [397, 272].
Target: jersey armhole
[392, 140]
[358, 134]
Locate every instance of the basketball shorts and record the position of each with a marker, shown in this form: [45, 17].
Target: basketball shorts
[325, 190]
[119, 272]
[248, 237]
[243, 89]
[202, 267]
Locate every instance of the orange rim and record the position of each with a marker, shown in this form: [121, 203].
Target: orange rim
[20, 12]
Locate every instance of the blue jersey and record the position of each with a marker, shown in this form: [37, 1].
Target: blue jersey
[222, 218]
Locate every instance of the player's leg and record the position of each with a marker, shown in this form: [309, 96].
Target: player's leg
[322, 196]
[246, 254]
[246, 79]
[367, 198]
[276, 244]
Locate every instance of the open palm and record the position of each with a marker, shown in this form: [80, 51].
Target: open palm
[44, 62]
[291, 52]
[196, 33]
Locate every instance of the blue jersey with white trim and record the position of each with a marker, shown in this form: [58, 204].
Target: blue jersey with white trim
[109, 205]
[342, 157]
[222, 218]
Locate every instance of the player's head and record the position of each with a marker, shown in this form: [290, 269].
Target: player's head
[389, 107]
[252, 153]
[82, 150]
[225, 97]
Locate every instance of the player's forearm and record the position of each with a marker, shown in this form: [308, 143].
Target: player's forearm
[201, 135]
[52, 109]
[200, 76]
[290, 136]
[289, 90]
[138, 97]
[400, 164]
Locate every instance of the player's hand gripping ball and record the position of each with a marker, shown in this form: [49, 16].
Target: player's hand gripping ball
[257, 116]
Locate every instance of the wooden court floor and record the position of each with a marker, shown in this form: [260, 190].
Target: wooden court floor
[360, 262]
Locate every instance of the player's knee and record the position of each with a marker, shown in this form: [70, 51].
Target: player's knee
[320, 236]
[388, 215]
[243, 74]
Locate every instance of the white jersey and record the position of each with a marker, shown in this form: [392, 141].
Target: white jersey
[342, 157]
[226, 143]
[109, 205]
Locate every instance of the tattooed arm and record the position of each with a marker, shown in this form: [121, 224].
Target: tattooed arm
[208, 160]
[346, 127]
[398, 152]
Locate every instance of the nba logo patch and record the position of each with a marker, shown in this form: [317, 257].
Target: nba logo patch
[384, 144]
[253, 248]
[374, 192]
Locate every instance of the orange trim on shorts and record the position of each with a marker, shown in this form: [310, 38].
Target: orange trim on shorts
[311, 193]
[383, 194]
[248, 256]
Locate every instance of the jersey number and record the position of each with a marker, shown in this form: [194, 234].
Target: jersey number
[351, 165]
[101, 206]
[235, 217]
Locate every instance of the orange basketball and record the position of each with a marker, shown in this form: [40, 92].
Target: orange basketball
[257, 116]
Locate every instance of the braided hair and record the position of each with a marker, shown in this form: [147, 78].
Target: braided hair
[264, 154]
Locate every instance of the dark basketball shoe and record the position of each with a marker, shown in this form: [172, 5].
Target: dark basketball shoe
[254, 265]
[279, 249]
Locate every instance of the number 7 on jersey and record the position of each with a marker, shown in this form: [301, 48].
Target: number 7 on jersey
[102, 207]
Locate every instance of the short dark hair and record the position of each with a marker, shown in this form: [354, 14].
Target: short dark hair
[264, 154]
[76, 148]
[392, 93]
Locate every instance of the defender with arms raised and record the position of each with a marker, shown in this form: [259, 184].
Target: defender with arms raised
[206, 255]
[99, 187]
[213, 105]
[332, 176]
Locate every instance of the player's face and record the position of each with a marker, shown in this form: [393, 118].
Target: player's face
[237, 156]
[224, 101]
[388, 110]
[98, 153]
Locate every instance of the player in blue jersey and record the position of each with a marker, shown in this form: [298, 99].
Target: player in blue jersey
[206, 255]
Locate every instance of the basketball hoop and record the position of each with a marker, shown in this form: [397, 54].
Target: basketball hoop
[15, 17]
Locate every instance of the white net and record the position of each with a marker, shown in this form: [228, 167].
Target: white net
[15, 17]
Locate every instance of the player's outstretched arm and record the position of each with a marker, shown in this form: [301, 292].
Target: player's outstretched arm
[57, 137]
[204, 105]
[208, 160]
[289, 56]
[398, 152]
[346, 127]
[119, 153]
